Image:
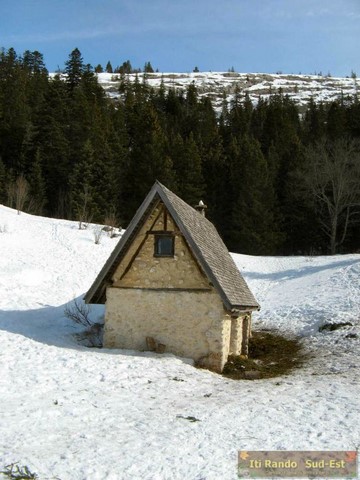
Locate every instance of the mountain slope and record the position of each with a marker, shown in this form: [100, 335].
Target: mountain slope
[217, 85]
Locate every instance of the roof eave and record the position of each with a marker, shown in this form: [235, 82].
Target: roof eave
[245, 308]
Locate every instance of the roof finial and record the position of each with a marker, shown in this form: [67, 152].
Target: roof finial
[201, 207]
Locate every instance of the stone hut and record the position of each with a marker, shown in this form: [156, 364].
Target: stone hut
[171, 285]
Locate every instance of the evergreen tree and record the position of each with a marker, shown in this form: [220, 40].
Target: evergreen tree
[126, 67]
[353, 119]
[119, 145]
[82, 182]
[240, 114]
[210, 146]
[74, 69]
[148, 159]
[336, 120]
[188, 109]
[314, 124]
[148, 68]
[174, 113]
[109, 68]
[34, 62]
[187, 165]
[53, 128]
[252, 228]
[15, 109]
[37, 190]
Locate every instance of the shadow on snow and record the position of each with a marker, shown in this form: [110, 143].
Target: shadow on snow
[300, 272]
[49, 326]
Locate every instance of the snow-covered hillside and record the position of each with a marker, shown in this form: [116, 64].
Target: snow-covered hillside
[301, 88]
[75, 413]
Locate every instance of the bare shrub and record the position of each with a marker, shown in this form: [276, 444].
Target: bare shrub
[79, 313]
[22, 193]
[91, 337]
[83, 211]
[111, 223]
[10, 190]
[18, 193]
[97, 231]
[35, 206]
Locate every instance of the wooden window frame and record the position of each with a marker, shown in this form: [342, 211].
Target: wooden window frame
[161, 235]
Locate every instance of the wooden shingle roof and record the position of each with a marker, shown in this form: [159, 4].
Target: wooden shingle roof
[203, 240]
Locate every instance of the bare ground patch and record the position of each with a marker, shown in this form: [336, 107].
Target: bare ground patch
[270, 355]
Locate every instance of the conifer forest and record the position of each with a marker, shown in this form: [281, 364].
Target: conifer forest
[276, 180]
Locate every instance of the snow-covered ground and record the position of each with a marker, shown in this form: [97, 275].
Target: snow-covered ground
[300, 88]
[75, 413]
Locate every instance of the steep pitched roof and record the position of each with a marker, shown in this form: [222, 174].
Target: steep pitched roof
[204, 241]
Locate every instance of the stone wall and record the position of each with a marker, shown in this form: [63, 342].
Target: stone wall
[189, 324]
[236, 337]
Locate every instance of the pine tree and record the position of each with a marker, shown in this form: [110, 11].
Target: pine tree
[126, 67]
[314, 124]
[148, 159]
[37, 190]
[191, 117]
[211, 151]
[53, 128]
[252, 228]
[187, 165]
[74, 69]
[174, 113]
[82, 187]
[148, 68]
[15, 110]
[109, 68]
[240, 114]
[118, 142]
[34, 62]
[336, 121]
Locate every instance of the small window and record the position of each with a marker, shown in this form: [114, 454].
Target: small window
[164, 246]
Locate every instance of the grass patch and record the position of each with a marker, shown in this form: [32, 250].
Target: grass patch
[15, 472]
[270, 355]
[331, 327]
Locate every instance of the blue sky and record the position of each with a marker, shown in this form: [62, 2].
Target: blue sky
[291, 36]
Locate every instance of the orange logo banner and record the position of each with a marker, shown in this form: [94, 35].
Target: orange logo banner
[297, 464]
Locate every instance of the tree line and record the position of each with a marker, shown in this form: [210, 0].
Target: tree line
[276, 180]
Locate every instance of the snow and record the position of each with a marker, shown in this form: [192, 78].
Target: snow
[217, 85]
[300, 88]
[77, 413]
